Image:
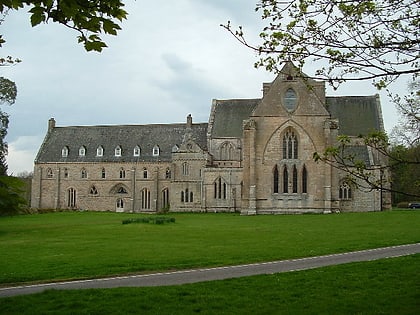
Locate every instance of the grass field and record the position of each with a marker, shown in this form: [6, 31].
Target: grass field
[387, 286]
[74, 245]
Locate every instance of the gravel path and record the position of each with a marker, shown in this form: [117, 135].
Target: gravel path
[219, 273]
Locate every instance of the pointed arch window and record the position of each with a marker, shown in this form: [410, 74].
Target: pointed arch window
[165, 198]
[71, 198]
[275, 180]
[65, 151]
[220, 189]
[304, 180]
[285, 180]
[290, 145]
[50, 173]
[100, 151]
[145, 198]
[136, 151]
[226, 151]
[185, 169]
[145, 173]
[295, 180]
[121, 190]
[122, 172]
[93, 191]
[345, 191]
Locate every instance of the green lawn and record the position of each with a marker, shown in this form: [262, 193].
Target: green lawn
[72, 245]
[387, 286]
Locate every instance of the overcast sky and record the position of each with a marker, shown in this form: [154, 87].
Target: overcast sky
[168, 61]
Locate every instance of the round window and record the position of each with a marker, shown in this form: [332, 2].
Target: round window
[290, 100]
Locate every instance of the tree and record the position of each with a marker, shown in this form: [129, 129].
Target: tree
[349, 39]
[88, 18]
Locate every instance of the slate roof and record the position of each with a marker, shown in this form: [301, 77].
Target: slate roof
[358, 115]
[109, 137]
[228, 116]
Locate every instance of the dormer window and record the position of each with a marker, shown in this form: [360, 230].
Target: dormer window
[290, 100]
[156, 150]
[136, 151]
[118, 151]
[65, 151]
[82, 151]
[175, 148]
[100, 151]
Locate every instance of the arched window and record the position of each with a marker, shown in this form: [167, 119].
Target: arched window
[136, 151]
[182, 196]
[122, 172]
[285, 180]
[82, 151]
[145, 173]
[50, 173]
[156, 150]
[103, 172]
[93, 191]
[121, 190]
[220, 189]
[275, 180]
[120, 205]
[290, 145]
[191, 197]
[145, 198]
[295, 180]
[99, 151]
[185, 169]
[304, 180]
[65, 151]
[345, 191]
[186, 195]
[118, 150]
[165, 198]
[71, 198]
[226, 151]
[168, 173]
[83, 173]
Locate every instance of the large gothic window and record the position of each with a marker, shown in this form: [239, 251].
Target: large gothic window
[290, 145]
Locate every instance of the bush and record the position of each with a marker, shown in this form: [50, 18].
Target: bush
[155, 220]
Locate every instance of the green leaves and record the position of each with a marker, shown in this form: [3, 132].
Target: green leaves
[88, 18]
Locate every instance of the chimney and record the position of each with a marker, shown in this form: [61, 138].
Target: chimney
[189, 121]
[51, 124]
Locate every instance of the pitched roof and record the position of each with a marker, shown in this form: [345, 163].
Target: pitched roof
[228, 115]
[109, 137]
[357, 115]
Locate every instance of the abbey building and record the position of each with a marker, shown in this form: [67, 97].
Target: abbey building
[253, 156]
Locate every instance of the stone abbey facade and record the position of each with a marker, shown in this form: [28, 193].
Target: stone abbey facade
[254, 156]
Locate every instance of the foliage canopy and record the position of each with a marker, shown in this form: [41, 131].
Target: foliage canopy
[351, 39]
[88, 18]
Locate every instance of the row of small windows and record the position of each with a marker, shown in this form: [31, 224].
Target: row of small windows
[122, 173]
[117, 151]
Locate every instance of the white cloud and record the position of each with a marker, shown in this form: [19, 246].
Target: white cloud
[22, 154]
